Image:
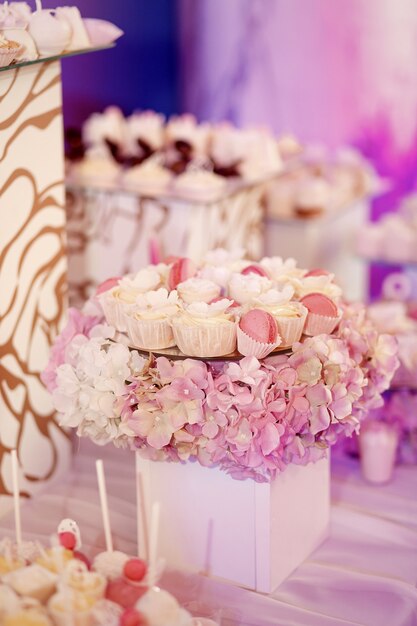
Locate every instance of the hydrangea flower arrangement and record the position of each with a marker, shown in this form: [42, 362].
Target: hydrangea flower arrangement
[249, 418]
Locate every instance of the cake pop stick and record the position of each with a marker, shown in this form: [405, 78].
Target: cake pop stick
[142, 527]
[16, 498]
[104, 505]
[153, 544]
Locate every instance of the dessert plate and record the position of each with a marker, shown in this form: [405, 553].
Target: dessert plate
[176, 354]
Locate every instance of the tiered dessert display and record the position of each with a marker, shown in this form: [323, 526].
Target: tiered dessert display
[143, 186]
[228, 369]
[32, 214]
[326, 192]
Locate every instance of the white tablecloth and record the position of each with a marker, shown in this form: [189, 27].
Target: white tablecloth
[365, 573]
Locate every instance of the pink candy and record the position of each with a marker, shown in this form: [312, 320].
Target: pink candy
[317, 272]
[254, 269]
[181, 270]
[260, 326]
[320, 304]
[107, 284]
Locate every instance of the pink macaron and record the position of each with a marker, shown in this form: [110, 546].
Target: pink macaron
[320, 304]
[107, 284]
[254, 269]
[318, 271]
[181, 270]
[259, 325]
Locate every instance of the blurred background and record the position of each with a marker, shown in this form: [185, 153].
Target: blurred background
[331, 72]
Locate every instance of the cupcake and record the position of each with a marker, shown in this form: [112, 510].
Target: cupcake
[262, 157]
[280, 270]
[106, 130]
[9, 51]
[120, 301]
[227, 149]
[215, 274]
[96, 169]
[257, 334]
[244, 288]
[322, 283]
[187, 136]
[312, 198]
[290, 316]
[289, 146]
[323, 314]
[200, 184]
[149, 178]
[145, 133]
[205, 330]
[198, 290]
[149, 324]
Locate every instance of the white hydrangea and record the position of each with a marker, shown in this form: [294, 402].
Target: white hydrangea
[90, 388]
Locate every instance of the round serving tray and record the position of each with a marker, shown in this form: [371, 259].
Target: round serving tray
[175, 353]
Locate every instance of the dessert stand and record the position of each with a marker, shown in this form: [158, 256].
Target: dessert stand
[33, 267]
[98, 220]
[253, 534]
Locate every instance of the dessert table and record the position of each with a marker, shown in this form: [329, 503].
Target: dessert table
[364, 574]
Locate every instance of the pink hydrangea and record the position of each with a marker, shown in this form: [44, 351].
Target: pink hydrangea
[249, 418]
[78, 324]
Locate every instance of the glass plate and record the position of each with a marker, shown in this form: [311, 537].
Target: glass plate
[175, 353]
[55, 57]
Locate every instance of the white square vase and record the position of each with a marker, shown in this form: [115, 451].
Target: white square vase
[251, 534]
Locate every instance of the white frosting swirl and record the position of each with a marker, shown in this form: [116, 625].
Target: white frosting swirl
[145, 280]
[318, 284]
[245, 287]
[147, 126]
[198, 290]
[157, 304]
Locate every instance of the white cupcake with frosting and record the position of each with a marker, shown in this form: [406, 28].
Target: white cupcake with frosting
[245, 287]
[146, 129]
[184, 128]
[109, 125]
[149, 324]
[199, 183]
[97, 168]
[121, 300]
[198, 290]
[281, 271]
[289, 315]
[318, 284]
[205, 330]
[149, 178]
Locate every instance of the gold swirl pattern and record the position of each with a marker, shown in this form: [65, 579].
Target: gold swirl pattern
[109, 232]
[32, 272]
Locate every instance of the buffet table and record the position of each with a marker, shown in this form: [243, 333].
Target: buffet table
[365, 573]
